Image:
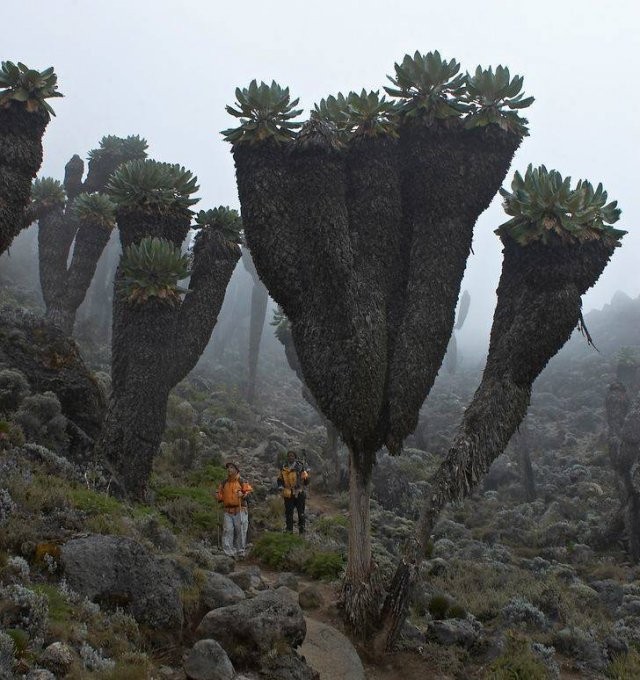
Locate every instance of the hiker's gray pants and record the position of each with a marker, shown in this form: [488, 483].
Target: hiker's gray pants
[234, 532]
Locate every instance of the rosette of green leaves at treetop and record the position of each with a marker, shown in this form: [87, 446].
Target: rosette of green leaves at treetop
[223, 219]
[545, 207]
[47, 193]
[96, 208]
[265, 112]
[370, 114]
[121, 149]
[151, 184]
[19, 83]
[152, 269]
[428, 87]
[494, 98]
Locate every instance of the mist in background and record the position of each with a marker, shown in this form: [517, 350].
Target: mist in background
[165, 70]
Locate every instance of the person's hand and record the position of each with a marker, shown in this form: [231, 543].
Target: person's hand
[240, 494]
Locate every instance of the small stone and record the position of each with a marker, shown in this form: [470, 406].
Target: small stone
[208, 661]
[310, 598]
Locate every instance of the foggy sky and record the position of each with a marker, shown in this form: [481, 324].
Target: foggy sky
[165, 70]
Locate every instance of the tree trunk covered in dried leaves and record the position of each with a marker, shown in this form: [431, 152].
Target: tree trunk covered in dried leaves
[155, 344]
[539, 306]
[364, 247]
[20, 159]
[623, 418]
[65, 283]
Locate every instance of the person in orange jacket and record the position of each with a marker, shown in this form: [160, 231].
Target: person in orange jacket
[232, 493]
[292, 480]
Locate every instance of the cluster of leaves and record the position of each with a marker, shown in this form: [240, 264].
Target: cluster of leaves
[95, 208]
[19, 83]
[493, 98]
[47, 193]
[425, 87]
[223, 220]
[265, 111]
[152, 269]
[429, 87]
[366, 113]
[152, 184]
[543, 206]
[121, 149]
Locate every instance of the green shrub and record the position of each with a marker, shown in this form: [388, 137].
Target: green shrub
[59, 609]
[456, 612]
[210, 474]
[517, 663]
[20, 641]
[332, 526]
[274, 548]
[439, 606]
[624, 666]
[195, 493]
[324, 565]
[94, 502]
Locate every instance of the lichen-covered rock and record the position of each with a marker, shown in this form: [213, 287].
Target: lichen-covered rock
[219, 591]
[116, 571]
[207, 660]
[57, 658]
[462, 632]
[51, 362]
[255, 628]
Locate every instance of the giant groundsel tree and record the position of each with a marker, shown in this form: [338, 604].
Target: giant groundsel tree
[75, 220]
[159, 329]
[24, 115]
[555, 246]
[360, 223]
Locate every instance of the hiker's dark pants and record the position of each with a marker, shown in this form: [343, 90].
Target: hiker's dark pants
[291, 504]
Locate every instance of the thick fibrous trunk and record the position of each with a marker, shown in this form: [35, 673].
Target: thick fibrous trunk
[539, 305]
[90, 241]
[20, 159]
[259, 300]
[526, 468]
[360, 589]
[155, 344]
[449, 177]
[624, 451]
[64, 286]
[55, 236]
[364, 247]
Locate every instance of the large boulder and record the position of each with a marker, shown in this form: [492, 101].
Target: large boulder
[51, 362]
[219, 591]
[255, 628]
[116, 571]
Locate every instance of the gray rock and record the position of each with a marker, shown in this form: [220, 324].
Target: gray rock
[248, 579]
[208, 661]
[116, 571]
[51, 362]
[57, 658]
[255, 627]
[161, 537]
[288, 580]
[310, 597]
[39, 674]
[462, 632]
[219, 591]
